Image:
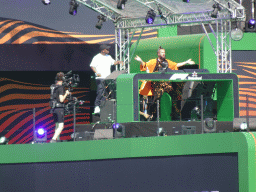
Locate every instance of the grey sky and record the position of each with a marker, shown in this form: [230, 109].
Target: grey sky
[55, 16]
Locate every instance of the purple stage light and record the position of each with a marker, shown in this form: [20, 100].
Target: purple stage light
[150, 20]
[115, 126]
[252, 21]
[40, 131]
[251, 24]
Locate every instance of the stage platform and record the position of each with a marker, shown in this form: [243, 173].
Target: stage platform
[198, 162]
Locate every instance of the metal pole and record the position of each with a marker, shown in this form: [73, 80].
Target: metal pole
[202, 113]
[158, 126]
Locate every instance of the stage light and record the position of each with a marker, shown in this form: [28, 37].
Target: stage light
[102, 19]
[236, 34]
[209, 125]
[118, 130]
[150, 17]
[46, 2]
[40, 135]
[216, 8]
[121, 4]
[251, 24]
[186, 1]
[73, 7]
[3, 140]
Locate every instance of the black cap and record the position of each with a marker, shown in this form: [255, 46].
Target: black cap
[104, 46]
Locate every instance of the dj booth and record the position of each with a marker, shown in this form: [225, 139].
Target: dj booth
[223, 87]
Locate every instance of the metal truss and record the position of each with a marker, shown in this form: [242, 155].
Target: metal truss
[177, 19]
[231, 11]
[102, 8]
[155, 4]
[222, 49]
[122, 48]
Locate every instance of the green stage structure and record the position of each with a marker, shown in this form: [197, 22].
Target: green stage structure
[241, 144]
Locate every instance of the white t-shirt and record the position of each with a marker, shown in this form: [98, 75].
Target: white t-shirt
[102, 64]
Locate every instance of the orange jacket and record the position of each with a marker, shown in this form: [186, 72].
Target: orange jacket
[146, 87]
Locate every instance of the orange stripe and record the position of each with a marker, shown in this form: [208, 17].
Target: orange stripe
[252, 63]
[23, 96]
[1, 22]
[248, 93]
[51, 42]
[247, 89]
[16, 30]
[245, 83]
[250, 105]
[9, 25]
[250, 72]
[33, 34]
[16, 86]
[6, 79]
[99, 40]
[244, 99]
[247, 66]
[26, 106]
[251, 113]
[244, 77]
[95, 36]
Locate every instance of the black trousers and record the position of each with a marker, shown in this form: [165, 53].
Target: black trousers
[100, 91]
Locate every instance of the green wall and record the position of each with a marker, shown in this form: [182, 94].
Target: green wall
[178, 49]
[242, 143]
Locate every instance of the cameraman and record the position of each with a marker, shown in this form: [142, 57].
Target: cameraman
[58, 110]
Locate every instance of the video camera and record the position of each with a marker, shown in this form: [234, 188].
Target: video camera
[71, 80]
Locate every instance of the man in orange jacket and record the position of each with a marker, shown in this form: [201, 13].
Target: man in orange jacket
[154, 65]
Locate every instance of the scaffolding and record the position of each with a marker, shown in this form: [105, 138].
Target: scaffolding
[169, 13]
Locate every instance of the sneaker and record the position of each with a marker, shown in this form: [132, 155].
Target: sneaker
[96, 110]
[53, 141]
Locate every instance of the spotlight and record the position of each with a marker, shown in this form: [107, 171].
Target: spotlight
[186, 1]
[102, 19]
[73, 7]
[216, 8]
[209, 125]
[150, 17]
[118, 130]
[3, 140]
[251, 24]
[46, 2]
[121, 4]
[40, 135]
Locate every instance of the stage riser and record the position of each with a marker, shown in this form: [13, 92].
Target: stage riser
[149, 129]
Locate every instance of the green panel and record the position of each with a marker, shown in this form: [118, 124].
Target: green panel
[241, 143]
[246, 43]
[125, 98]
[167, 31]
[225, 101]
[209, 58]
[178, 49]
[165, 107]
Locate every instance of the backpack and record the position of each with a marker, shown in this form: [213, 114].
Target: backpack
[53, 97]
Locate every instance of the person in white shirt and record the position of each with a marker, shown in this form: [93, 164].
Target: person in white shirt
[101, 66]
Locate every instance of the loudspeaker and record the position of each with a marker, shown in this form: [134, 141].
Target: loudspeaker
[103, 134]
[107, 111]
[83, 136]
